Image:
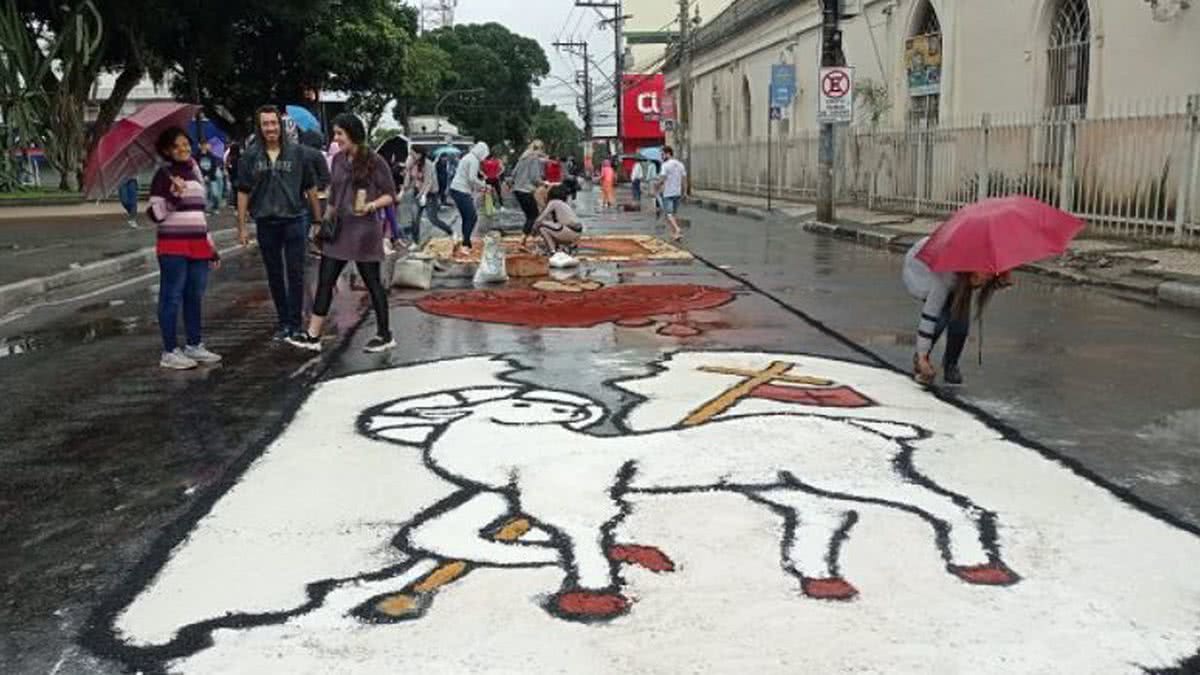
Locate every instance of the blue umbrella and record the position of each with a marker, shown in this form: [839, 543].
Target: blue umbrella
[652, 154]
[304, 119]
[446, 150]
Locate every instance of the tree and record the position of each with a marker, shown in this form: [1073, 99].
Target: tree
[560, 134]
[505, 65]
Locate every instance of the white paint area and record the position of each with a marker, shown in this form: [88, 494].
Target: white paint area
[1104, 587]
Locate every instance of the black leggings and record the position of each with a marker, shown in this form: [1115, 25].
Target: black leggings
[529, 205]
[371, 272]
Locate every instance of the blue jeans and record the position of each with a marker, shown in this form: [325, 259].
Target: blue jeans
[956, 330]
[214, 194]
[430, 209]
[182, 282]
[128, 193]
[637, 191]
[283, 244]
[466, 206]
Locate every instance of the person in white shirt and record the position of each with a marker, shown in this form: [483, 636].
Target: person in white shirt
[636, 178]
[466, 184]
[674, 173]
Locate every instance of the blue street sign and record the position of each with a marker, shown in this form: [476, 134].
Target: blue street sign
[783, 84]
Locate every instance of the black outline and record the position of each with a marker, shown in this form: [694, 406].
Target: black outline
[98, 634]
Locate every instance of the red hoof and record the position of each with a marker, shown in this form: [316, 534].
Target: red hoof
[589, 605]
[832, 588]
[991, 574]
[648, 557]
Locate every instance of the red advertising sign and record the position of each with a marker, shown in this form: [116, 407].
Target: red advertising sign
[643, 106]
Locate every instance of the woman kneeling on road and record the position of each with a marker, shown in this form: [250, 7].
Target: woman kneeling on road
[947, 298]
[185, 250]
[558, 226]
[361, 184]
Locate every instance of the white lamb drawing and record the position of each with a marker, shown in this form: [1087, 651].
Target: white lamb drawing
[524, 452]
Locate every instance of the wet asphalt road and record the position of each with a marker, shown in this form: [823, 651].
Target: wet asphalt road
[100, 451]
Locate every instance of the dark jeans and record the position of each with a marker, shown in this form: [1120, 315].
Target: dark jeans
[529, 206]
[371, 272]
[497, 190]
[637, 191]
[283, 244]
[182, 282]
[129, 196]
[470, 216]
[957, 331]
[431, 210]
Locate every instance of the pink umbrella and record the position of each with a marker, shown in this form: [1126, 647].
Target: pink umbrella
[997, 235]
[128, 147]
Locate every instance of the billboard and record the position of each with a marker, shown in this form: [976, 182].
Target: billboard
[643, 106]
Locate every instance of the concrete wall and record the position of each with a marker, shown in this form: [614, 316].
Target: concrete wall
[994, 60]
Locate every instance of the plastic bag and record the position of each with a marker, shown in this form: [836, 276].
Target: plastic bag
[489, 206]
[413, 272]
[563, 260]
[491, 268]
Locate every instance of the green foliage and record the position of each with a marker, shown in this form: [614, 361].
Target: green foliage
[504, 64]
[556, 129]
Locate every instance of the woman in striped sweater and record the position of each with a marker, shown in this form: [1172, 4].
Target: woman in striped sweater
[185, 249]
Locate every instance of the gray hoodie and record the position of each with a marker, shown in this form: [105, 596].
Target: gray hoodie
[467, 179]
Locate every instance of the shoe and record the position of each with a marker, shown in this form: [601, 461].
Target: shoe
[176, 361]
[282, 334]
[952, 376]
[132, 223]
[378, 344]
[199, 354]
[304, 341]
[414, 247]
[388, 249]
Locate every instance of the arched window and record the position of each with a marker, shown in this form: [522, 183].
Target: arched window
[747, 109]
[923, 63]
[1069, 54]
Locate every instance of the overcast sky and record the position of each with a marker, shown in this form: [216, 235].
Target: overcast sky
[548, 21]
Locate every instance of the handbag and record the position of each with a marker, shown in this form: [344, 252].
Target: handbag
[328, 228]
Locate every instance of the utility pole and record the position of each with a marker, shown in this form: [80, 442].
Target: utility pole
[586, 112]
[684, 128]
[831, 55]
[618, 22]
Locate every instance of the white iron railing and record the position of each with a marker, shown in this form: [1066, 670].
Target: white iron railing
[1132, 172]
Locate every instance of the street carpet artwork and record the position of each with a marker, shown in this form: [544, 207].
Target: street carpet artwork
[592, 247]
[629, 305]
[748, 512]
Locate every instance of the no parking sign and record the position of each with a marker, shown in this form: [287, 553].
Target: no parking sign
[836, 102]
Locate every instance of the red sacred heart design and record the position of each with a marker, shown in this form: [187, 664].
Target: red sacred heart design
[542, 309]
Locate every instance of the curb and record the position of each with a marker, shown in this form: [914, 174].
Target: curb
[19, 294]
[731, 209]
[1180, 293]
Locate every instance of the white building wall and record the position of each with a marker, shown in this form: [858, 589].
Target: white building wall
[995, 60]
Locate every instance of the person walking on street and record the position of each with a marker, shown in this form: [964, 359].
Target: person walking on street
[493, 168]
[214, 178]
[421, 185]
[528, 175]
[608, 186]
[185, 250]
[233, 156]
[673, 179]
[946, 308]
[362, 185]
[274, 184]
[127, 192]
[466, 184]
[443, 177]
[636, 183]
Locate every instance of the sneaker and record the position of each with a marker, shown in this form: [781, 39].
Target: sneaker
[132, 223]
[176, 361]
[414, 247]
[378, 344]
[282, 334]
[200, 354]
[952, 376]
[388, 249]
[304, 341]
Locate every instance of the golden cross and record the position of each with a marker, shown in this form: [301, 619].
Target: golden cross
[753, 379]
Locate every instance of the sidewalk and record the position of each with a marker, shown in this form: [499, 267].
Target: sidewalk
[1145, 271]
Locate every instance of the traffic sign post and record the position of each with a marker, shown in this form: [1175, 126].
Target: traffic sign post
[780, 96]
[835, 105]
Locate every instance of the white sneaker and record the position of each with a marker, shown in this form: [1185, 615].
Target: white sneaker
[414, 247]
[387, 247]
[176, 361]
[200, 354]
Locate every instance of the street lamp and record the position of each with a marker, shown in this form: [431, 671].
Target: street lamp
[437, 109]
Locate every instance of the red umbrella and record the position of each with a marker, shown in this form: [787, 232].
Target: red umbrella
[128, 147]
[997, 235]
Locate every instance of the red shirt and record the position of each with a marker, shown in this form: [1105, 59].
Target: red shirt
[492, 168]
[554, 173]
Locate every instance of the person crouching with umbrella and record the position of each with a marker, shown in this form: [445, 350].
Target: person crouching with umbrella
[974, 252]
[185, 250]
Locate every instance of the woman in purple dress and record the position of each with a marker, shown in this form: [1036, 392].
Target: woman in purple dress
[361, 185]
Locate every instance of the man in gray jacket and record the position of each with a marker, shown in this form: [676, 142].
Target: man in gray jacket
[276, 186]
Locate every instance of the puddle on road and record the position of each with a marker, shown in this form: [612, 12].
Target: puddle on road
[1178, 427]
[15, 345]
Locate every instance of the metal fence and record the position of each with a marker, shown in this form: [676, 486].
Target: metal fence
[1132, 171]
